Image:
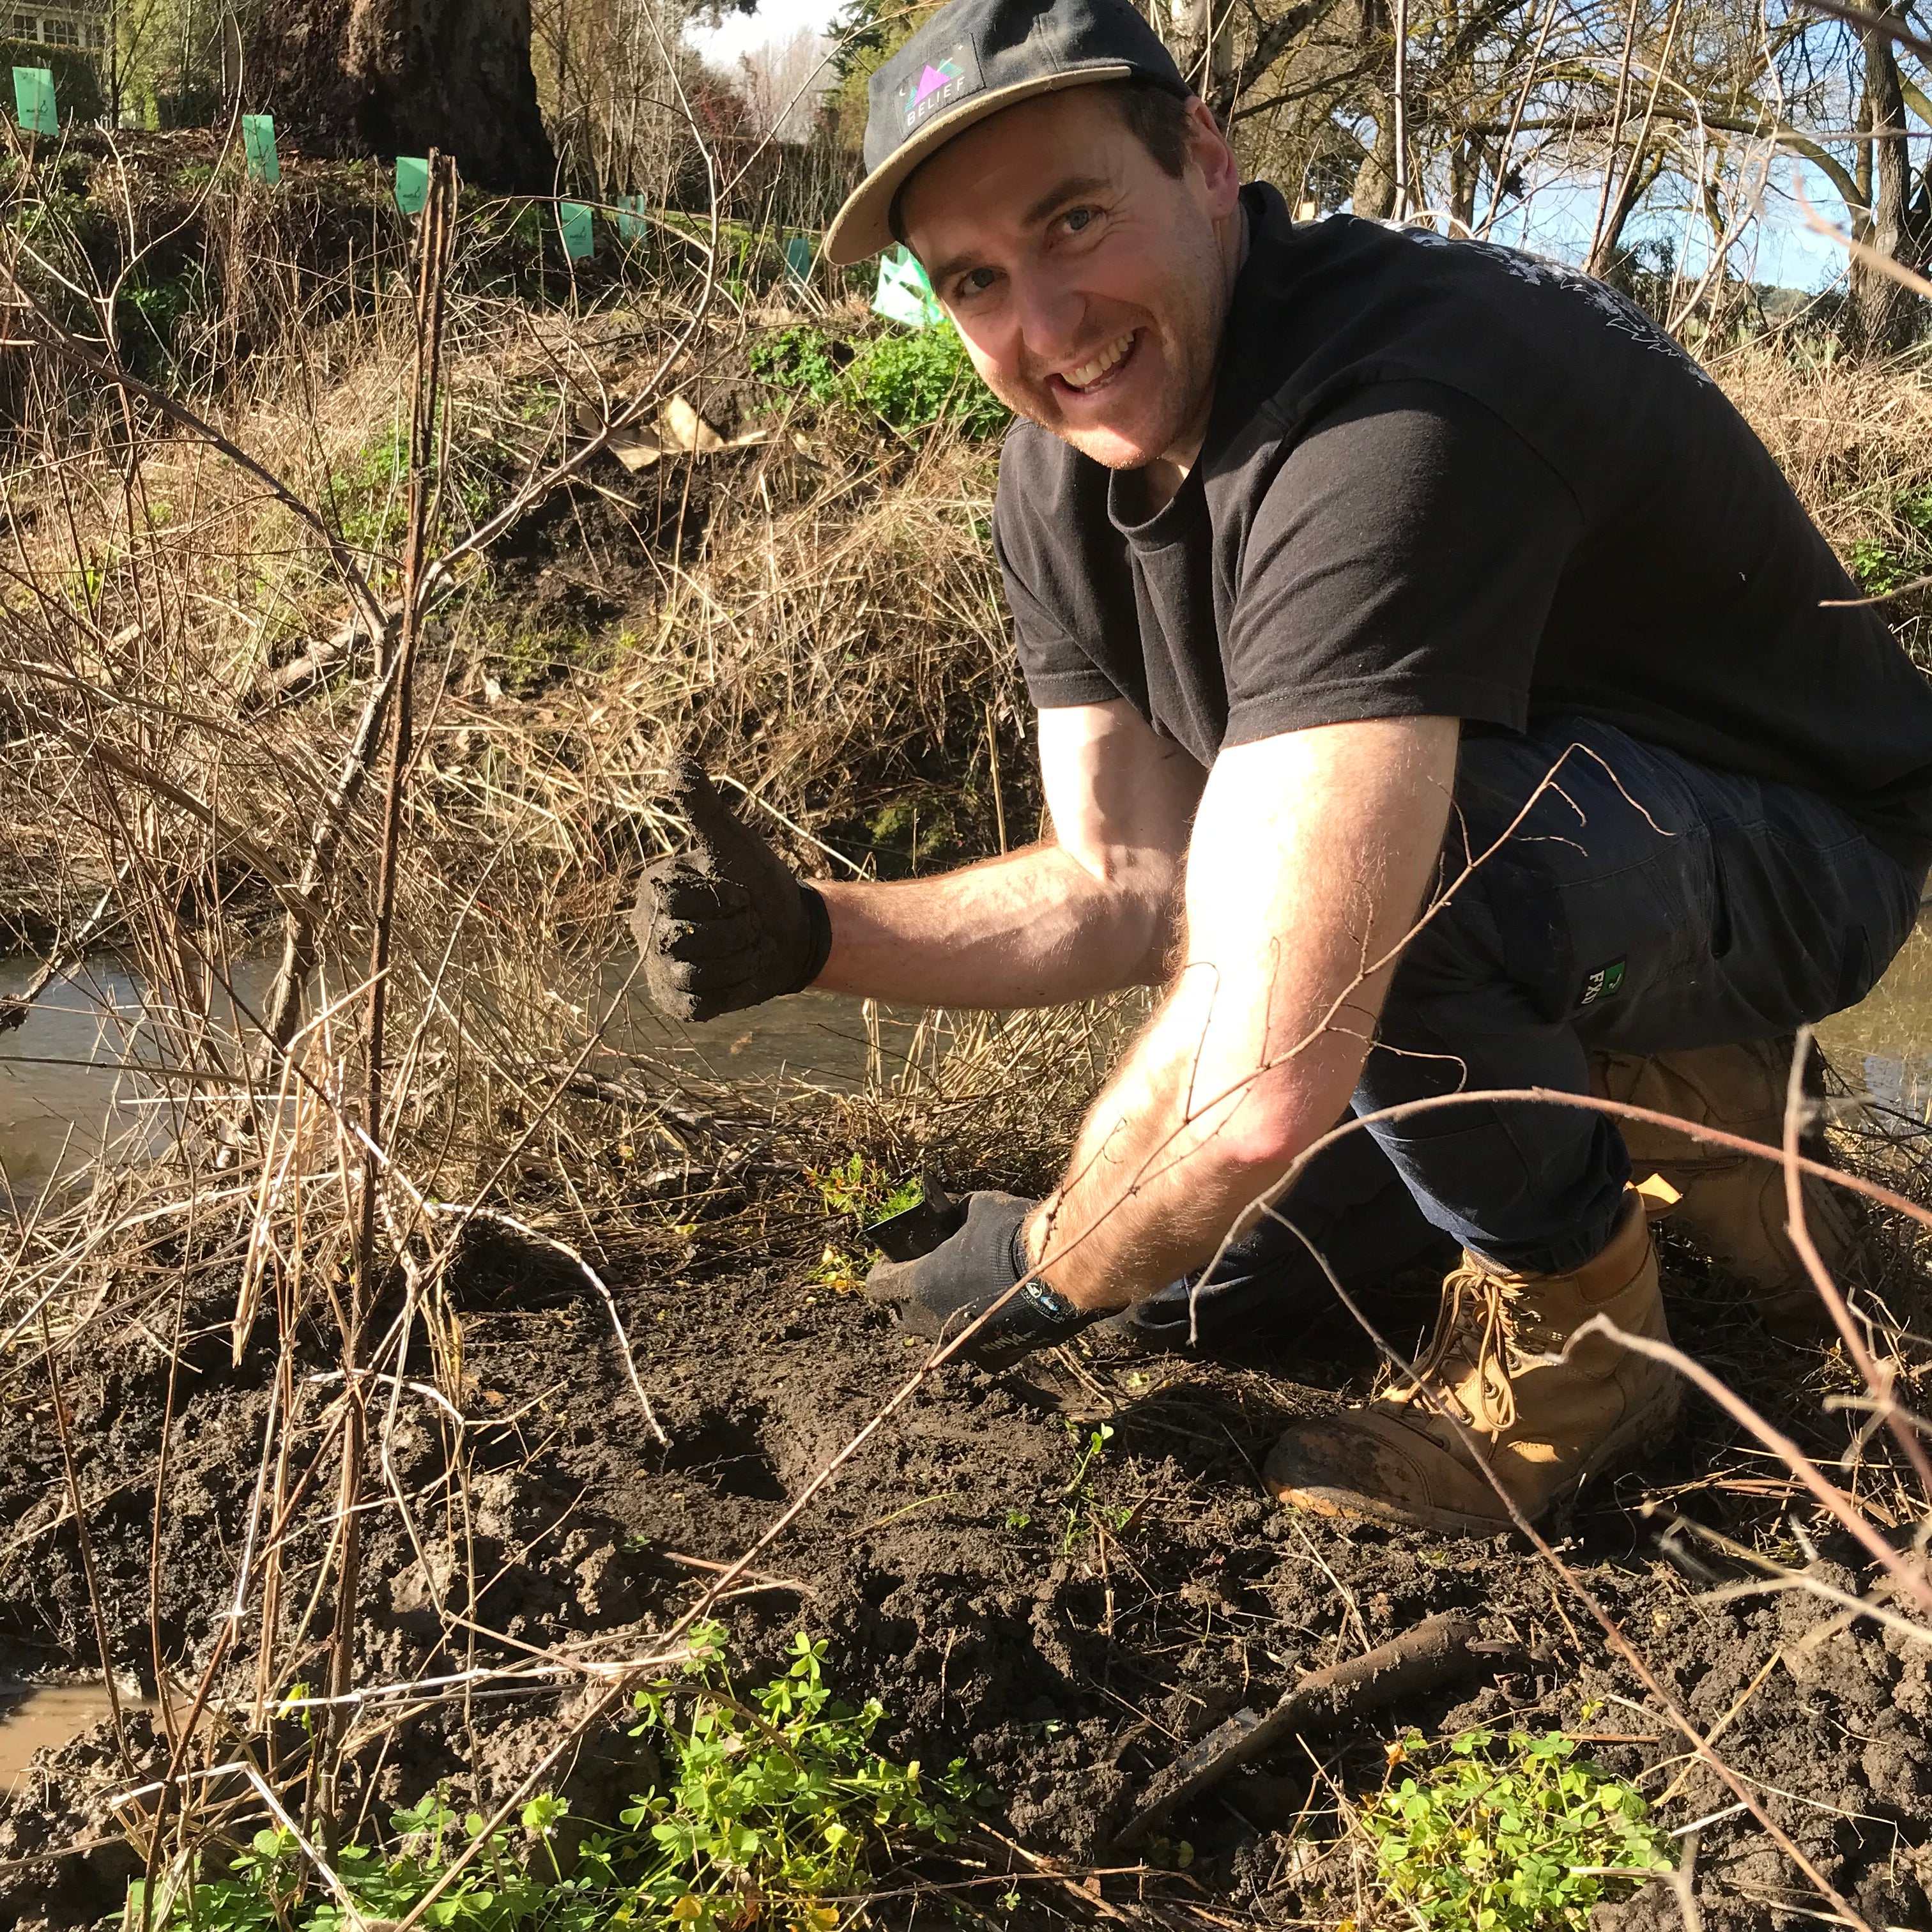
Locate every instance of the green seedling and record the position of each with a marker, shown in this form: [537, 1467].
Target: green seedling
[861, 1189]
[838, 1270]
[909, 382]
[1084, 1512]
[773, 1804]
[1507, 1835]
[1882, 566]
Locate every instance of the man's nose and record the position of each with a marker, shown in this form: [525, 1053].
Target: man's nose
[1051, 314]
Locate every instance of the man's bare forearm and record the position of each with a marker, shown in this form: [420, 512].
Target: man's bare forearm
[1029, 929]
[1309, 862]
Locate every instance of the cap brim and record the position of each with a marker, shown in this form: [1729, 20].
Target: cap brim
[863, 225]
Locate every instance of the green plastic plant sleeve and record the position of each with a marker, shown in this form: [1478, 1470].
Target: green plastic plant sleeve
[630, 218]
[258, 142]
[903, 294]
[412, 183]
[34, 100]
[798, 257]
[573, 217]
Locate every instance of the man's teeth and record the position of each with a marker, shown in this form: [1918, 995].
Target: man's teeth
[1090, 373]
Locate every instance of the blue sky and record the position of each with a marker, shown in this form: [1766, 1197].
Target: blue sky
[1557, 221]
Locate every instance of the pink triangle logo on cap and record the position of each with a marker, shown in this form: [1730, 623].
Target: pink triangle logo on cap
[933, 79]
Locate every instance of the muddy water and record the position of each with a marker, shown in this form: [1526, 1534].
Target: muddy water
[71, 1082]
[35, 1717]
[1888, 1038]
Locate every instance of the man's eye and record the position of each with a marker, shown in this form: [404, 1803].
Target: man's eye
[1077, 218]
[976, 281]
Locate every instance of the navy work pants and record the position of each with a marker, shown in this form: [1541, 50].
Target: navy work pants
[1625, 898]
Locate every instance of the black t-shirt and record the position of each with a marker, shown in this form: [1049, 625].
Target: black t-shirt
[1443, 478]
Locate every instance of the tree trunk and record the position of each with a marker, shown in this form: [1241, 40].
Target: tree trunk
[1375, 180]
[393, 77]
[1638, 178]
[1207, 67]
[1887, 314]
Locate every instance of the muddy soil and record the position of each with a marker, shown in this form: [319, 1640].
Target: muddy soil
[1068, 1641]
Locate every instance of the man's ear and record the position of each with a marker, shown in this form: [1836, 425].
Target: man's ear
[1210, 151]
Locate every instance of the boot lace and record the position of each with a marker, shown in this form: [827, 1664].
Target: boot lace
[1475, 1330]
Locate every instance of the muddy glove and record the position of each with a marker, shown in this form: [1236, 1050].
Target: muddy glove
[939, 1293]
[723, 924]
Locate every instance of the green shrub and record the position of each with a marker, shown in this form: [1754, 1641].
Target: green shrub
[1518, 1837]
[770, 1805]
[800, 359]
[909, 380]
[369, 496]
[149, 313]
[916, 379]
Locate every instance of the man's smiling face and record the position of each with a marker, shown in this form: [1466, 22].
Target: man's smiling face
[1090, 285]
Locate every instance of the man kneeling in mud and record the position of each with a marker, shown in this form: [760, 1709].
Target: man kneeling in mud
[1356, 572]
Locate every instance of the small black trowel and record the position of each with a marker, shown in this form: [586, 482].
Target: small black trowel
[919, 1229]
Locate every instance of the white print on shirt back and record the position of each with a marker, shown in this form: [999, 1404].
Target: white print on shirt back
[1621, 313]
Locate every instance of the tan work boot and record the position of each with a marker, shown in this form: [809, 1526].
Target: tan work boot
[1542, 1427]
[1733, 1204]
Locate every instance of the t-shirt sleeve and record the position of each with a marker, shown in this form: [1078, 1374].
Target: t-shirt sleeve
[1058, 618]
[1402, 564]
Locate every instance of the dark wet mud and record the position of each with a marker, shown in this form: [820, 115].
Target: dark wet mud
[1067, 1630]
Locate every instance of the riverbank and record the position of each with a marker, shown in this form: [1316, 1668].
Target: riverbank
[560, 1320]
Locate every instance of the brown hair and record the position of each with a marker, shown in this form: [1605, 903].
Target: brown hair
[1156, 116]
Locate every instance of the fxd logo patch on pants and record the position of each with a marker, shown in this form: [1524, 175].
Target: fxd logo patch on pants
[1603, 983]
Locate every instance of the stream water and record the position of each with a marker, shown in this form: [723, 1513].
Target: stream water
[34, 1716]
[71, 1083]
[66, 1089]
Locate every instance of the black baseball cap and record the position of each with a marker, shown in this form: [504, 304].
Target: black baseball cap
[971, 59]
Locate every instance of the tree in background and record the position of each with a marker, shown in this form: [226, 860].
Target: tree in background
[402, 76]
[1666, 126]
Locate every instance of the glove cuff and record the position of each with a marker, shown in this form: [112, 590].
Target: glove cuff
[818, 936]
[1039, 1304]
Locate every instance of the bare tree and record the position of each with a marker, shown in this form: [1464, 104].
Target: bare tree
[1886, 311]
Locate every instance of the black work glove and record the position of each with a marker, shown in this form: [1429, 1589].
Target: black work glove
[724, 924]
[939, 1293]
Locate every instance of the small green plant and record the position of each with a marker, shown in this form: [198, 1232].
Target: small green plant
[1515, 1835]
[771, 1805]
[369, 493]
[915, 380]
[800, 359]
[1084, 1512]
[842, 1273]
[1882, 566]
[861, 1189]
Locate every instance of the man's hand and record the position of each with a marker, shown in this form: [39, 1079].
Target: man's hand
[724, 924]
[937, 1295]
